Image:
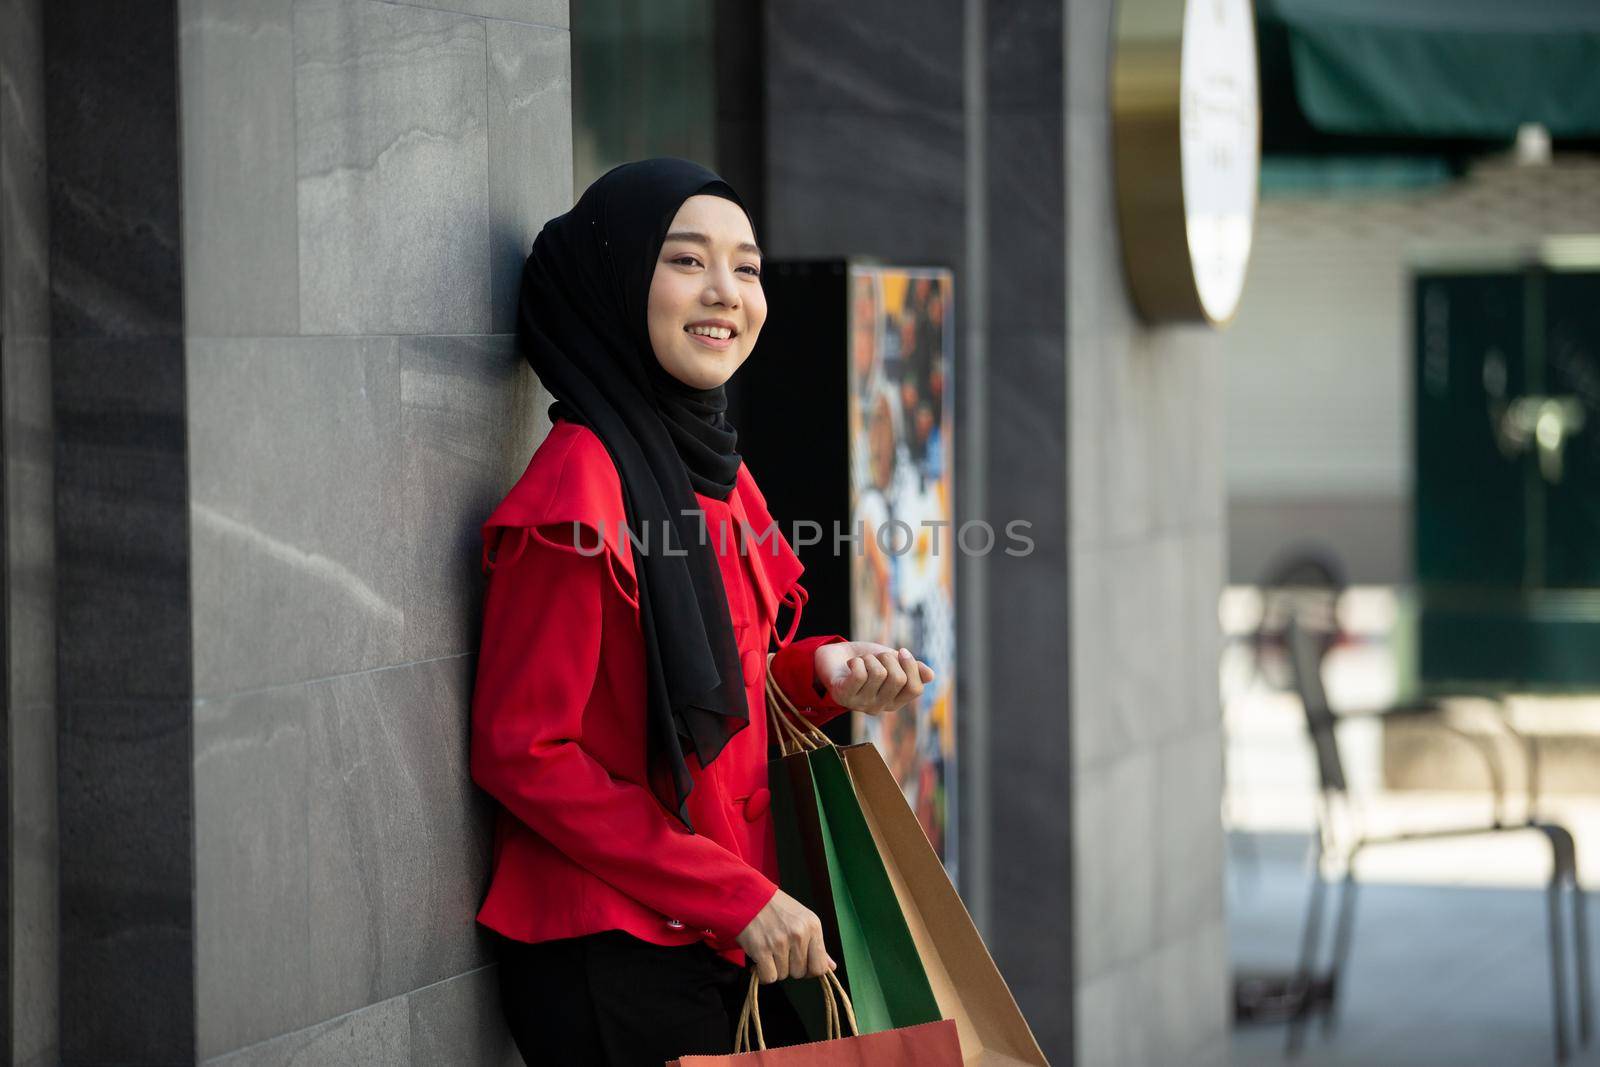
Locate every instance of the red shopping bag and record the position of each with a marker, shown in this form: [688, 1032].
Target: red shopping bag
[932, 1044]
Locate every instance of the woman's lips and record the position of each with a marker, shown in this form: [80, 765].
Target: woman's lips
[718, 344]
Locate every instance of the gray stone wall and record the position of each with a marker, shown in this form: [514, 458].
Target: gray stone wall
[29, 750]
[1147, 544]
[124, 683]
[1028, 620]
[362, 180]
[978, 135]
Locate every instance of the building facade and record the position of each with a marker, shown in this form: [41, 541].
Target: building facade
[260, 266]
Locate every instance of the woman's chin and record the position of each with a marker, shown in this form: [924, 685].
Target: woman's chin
[706, 370]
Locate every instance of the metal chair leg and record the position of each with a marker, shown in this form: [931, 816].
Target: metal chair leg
[1558, 982]
[1341, 948]
[1305, 974]
[1580, 935]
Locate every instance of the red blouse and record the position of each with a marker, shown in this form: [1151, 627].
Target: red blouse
[581, 844]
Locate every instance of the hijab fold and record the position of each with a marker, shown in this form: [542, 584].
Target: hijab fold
[582, 324]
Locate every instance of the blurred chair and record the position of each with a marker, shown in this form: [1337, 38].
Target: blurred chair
[1305, 598]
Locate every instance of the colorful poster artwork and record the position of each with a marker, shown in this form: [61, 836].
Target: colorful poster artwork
[902, 507]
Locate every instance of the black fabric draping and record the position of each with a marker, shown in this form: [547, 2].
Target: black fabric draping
[582, 325]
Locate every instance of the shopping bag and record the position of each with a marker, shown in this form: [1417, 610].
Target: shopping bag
[965, 980]
[932, 1044]
[829, 862]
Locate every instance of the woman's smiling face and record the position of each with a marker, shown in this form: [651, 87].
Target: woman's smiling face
[706, 305]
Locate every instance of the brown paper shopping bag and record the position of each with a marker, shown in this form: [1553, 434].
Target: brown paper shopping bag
[965, 980]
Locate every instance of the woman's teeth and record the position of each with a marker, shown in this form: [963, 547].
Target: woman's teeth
[721, 333]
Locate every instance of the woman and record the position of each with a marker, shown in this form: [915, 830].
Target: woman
[619, 712]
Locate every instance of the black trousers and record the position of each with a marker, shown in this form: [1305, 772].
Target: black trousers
[612, 1000]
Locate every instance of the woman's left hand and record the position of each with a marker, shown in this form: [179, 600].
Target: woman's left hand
[870, 678]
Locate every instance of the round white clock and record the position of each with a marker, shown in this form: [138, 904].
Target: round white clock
[1187, 130]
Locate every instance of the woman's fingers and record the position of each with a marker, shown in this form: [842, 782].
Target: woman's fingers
[913, 683]
[893, 678]
[799, 949]
[817, 962]
[857, 681]
[781, 940]
[896, 670]
[876, 673]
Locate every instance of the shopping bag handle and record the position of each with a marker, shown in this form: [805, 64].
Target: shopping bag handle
[832, 988]
[795, 733]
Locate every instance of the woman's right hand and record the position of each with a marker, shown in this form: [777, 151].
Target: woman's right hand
[784, 940]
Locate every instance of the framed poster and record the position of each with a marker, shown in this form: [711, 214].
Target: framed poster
[901, 449]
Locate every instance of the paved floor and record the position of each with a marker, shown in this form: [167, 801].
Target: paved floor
[1438, 977]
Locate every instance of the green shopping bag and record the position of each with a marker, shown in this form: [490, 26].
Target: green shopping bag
[829, 861]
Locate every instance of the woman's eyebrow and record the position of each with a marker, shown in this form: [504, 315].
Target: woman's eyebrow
[702, 239]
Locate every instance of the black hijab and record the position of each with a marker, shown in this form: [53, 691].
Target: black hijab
[582, 325]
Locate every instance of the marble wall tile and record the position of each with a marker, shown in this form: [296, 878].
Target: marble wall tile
[1024, 46]
[530, 150]
[1089, 51]
[376, 1036]
[1183, 1017]
[1167, 641]
[1027, 279]
[1097, 285]
[1132, 648]
[121, 531]
[1138, 660]
[902, 176]
[392, 129]
[1208, 449]
[252, 882]
[1114, 864]
[1188, 833]
[461, 1021]
[869, 57]
[296, 458]
[115, 253]
[241, 253]
[1174, 418]
[35, 902]
[30, 518]
[127, 935]
[1128, 396]
[1100, 733]
[1087, 436]
[550, 13]
[1095, 1007]
[1028, 440]
[1211, 988]
[24, 207]
[399, 835]
[1203, 571]
[473, 414]
[1031, 932]
[125, 948]
[1113, 1017]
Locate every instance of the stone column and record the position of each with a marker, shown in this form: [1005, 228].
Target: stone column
[362, 181]
[270, 356]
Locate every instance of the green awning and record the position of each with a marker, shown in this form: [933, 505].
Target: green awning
[1348, 177]
[1459, 70]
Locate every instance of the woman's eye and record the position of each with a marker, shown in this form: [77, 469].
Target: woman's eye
[754, 272]
[686, 261]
